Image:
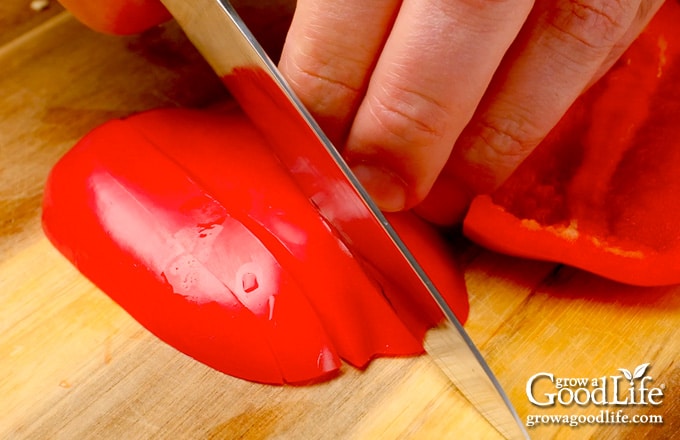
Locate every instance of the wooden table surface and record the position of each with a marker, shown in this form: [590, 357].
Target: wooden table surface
[73, 365]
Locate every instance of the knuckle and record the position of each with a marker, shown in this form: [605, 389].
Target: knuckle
[409, 117]
[503, 143]
[323, 84]
[595, 24]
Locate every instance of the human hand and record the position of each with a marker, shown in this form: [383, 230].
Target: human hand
[434, 101]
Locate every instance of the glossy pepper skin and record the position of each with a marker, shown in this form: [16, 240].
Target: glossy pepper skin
[188, 221]
[602, 193]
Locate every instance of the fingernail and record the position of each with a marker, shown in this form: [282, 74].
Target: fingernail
[387, 190]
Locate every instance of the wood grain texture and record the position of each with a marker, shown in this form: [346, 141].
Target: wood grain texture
[74, 365]
[18, 18]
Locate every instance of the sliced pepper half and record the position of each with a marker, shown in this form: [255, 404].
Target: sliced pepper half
[602, 192]
[188, 221]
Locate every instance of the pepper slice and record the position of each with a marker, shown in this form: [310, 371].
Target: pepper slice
[188, 221]
[602, 192]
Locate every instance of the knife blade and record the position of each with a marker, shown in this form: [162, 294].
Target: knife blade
[224, 40]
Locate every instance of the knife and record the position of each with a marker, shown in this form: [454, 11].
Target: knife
[224, 40]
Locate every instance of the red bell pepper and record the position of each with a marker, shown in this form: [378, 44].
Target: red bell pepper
[118, 17]
[186, 219]
[602, 192]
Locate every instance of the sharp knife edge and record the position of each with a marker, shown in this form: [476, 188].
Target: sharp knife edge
[217, 31]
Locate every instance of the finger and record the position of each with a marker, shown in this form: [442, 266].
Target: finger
[329, 53]
[645, 13]
[563, 46]
[431, 74]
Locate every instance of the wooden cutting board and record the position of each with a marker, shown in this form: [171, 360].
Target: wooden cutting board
[74, 365]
